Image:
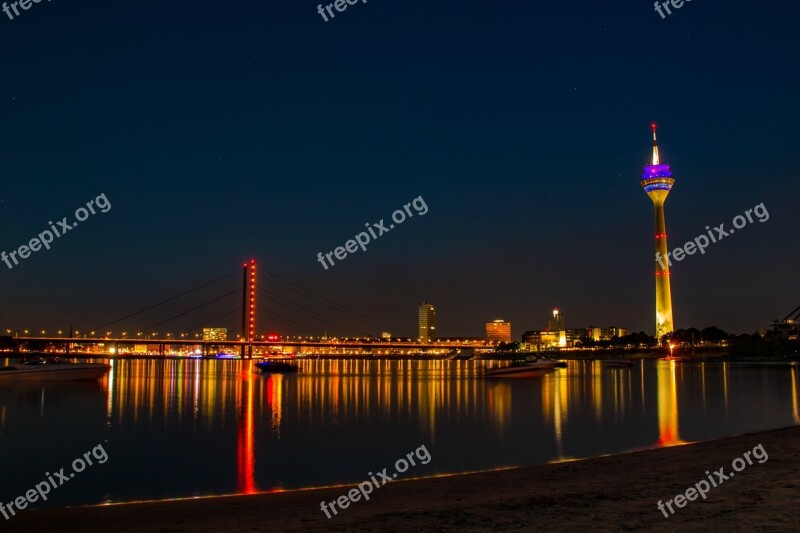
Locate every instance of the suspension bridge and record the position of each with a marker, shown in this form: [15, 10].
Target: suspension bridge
[258, 293]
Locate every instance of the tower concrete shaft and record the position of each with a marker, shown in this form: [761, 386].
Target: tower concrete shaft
[664, 323]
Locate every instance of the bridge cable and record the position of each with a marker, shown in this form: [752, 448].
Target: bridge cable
[329, 303]
[211, 320]
[195, 308]
[168, 300]
[281, 318]
[276, 298]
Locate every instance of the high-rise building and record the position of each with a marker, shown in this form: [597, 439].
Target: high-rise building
[657, 181]
[427, 322]
[498, 331]
[555, 336]
[215, 334]
[557, 324]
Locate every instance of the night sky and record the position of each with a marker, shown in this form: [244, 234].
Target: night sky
[221, 131]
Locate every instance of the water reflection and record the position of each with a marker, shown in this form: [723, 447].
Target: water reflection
[668, 404]
[246, 432]
[190, 427]
[795, 406]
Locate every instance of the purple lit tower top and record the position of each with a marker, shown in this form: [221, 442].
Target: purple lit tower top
[656, 176]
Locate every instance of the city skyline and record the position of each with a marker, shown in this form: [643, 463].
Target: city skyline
[531, 184]
[426, 315]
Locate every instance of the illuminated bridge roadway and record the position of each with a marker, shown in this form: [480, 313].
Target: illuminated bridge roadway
[207, 346]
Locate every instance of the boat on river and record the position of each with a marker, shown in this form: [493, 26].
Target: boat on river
[276, 367]
[44, 370]
[558, 364]
[522, 370]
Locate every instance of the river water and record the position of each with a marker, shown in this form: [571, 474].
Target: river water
[184, 428]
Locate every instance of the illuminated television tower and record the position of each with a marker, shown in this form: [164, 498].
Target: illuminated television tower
[657, 182]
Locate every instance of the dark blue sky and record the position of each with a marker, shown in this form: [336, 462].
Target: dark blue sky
[221, 131]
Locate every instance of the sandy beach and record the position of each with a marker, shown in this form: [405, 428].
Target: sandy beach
[608, 493]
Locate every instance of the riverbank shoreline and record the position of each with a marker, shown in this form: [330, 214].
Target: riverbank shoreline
[603, 493]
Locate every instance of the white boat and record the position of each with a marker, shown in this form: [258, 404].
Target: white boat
[522, 370]
[557, 364]
[41, 370]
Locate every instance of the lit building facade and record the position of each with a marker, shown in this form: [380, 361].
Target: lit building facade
[605, 334]
[427, 322]
[657, 181]
[215, 334]
[558, 336]
[544, 339]
[555, 336]
[498, 331]
[609, 333]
